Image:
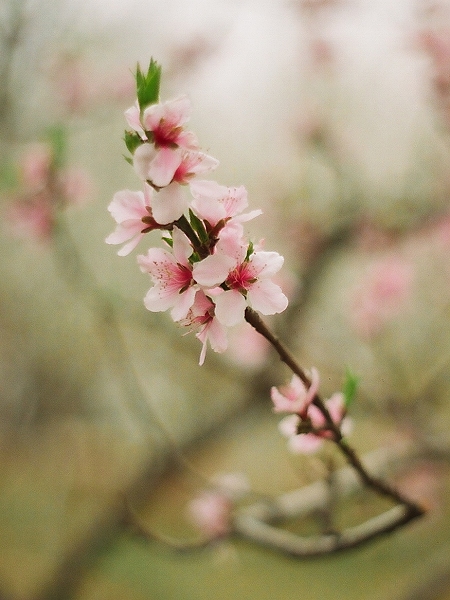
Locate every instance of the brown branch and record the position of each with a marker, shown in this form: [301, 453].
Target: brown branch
[256, 522]
[381, 487]
[262, 532]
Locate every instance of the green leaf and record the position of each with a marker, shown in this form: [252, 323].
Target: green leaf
[199, 227]
[250, 250]
[350, 387]
[132, 141]
[148, 85]
[57, 136]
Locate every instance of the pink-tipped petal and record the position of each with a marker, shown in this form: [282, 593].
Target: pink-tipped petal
[213, 270]
[267, 297]
[162, 168]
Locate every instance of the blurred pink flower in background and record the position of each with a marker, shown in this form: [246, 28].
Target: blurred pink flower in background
[44, 190]
[211, 512]
[35, 165]
[380, 295]
[31, 218]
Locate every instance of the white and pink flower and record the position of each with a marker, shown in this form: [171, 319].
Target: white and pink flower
[167, 170]
[201, 315]
[295, 397]
[308, 443]
[210, 511]
[217, 203]
[246, 283]
[133, 215]
[172, 275]
[161, 128]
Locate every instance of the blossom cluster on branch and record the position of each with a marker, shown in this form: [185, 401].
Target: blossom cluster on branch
[305, 426]
[208, 273]
[211, 277]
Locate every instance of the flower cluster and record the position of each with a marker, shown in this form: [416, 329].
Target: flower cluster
[208, 273]
[306, 425]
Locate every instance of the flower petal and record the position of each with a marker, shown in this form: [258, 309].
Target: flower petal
[267, 298]
[142, 159]
[163, 166]
[127, 205]
[230, 307]
[305, 443]
[182, 248]
[183, 303]
[158, 300]
[266, 264]
[169, 204]
[213, 270]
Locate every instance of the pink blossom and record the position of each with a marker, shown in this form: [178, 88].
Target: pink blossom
[163, 123]
[211, 510]
[133, 215]
[307, 443]
[201, 314]
[159, 160]
[295, 397]
[165, 169]
[172, 276]
[193, 163]
[156, 166]
[161, 167]
[166, 120]
[248, 283]
[211, 513]
[214, 203]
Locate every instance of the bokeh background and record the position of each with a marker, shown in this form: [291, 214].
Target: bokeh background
[335, 114]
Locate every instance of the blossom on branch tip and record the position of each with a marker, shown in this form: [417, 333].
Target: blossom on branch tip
[295, 397]
[163, 123]
[166, 120]
[210, 273]
[248, 284]
[202, 315]
[133, 215]
[172, 277]
[310, 441]
[215, 203]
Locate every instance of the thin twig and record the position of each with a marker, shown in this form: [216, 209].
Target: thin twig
[380, 486]
[269, 535]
